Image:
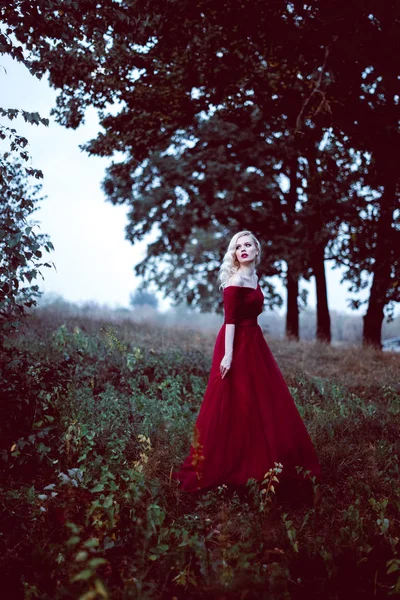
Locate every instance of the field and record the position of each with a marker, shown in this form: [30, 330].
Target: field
[97, 414]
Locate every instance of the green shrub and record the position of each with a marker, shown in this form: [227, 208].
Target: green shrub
[93, 423]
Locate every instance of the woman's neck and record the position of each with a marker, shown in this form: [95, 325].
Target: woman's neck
[247, 272]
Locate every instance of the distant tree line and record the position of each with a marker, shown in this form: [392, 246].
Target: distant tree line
[346, 327]
[279, 117]
[143, 298]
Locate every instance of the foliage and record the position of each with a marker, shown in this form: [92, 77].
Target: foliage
[209, 106]
[143, 297]
[93, 422]
[21, 248]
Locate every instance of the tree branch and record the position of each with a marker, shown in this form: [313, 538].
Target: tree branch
[316, 90]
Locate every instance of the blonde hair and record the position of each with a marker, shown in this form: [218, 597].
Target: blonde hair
[230, 264]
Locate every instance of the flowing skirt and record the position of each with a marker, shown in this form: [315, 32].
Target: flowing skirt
[247, 421]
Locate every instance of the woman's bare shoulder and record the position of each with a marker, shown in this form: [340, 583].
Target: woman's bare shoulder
[235, 280]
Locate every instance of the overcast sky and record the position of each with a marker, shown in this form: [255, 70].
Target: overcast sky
[94, 261]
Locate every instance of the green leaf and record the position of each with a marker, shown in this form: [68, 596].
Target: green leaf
[81, 556]
[83, 575]
[108, 501]
[15, 240]
[96, 562]
[394, 565]
[98, 488]
[92, 543]
[73, 527]
[75, 539]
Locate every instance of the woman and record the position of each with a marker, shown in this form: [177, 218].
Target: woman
[248, 419]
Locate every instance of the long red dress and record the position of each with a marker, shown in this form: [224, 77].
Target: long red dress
[248, 420]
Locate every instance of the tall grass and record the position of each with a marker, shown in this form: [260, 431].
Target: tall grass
[97, 414]
[346, 327]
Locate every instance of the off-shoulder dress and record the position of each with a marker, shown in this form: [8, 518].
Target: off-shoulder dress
[248, 420]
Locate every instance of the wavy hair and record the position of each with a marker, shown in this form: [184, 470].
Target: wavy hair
[230, 265]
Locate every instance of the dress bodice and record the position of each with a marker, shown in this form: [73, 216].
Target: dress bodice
[242, 305]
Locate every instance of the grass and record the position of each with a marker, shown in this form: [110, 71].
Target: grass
[95, 416]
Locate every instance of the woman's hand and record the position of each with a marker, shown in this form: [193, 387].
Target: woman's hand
[225, 364]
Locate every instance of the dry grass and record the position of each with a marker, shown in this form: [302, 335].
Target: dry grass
[361, 370]
[338, 528]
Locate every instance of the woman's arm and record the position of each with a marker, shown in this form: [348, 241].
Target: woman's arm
[229, 338]
[229, 334]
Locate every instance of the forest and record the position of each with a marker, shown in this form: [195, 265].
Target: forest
[277, 117]
[281, 118]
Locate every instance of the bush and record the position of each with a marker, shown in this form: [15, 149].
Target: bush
[95, 421]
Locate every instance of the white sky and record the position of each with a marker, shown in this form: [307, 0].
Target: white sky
[94, 261]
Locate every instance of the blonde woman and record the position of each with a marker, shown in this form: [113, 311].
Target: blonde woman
[248, 419]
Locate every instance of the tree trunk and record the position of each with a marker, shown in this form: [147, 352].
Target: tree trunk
[316, 227]
[292, 277]
[292, 314]
[382, 267]
[373, 319]
[323, 317]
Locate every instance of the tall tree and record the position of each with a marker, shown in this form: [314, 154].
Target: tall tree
[223, 180]
[164, 68]
[371, 119]
[165, 81]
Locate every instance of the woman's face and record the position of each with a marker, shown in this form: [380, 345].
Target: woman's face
[245, 250]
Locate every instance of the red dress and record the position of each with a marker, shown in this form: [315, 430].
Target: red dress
[248, 420]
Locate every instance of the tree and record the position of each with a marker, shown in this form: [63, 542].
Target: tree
[195, 199]
[205, 68]
[171, 81]
[143, 297]
[370, 119]
[368, 250]
[20, 246]
[359, 84]
[301, 66]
